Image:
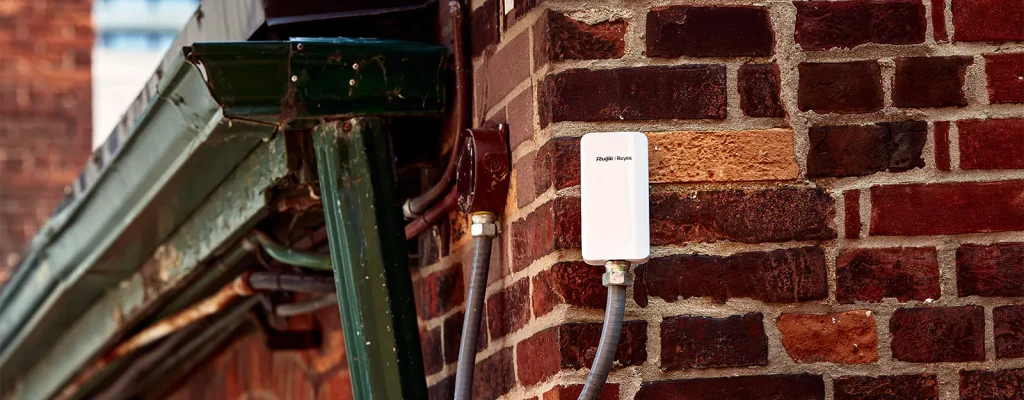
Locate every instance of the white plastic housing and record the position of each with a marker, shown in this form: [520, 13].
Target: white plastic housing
[615, 197]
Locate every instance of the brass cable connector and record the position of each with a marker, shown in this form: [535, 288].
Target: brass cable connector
[616, 273]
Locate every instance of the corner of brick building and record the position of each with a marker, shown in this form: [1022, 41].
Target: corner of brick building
[836, 201]
[45, 113]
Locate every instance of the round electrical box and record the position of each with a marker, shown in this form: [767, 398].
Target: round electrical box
[483, 170]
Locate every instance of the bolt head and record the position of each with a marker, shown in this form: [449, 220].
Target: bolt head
[295, 78]
[489, 230]
[617, 278]
[299, 46]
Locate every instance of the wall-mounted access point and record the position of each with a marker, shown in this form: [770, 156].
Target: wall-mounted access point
[614, 197]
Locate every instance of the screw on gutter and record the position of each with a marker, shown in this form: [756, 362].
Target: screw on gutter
[295, 78]
[347, 127]
[298, 46]
[355, 66]
[351, 82]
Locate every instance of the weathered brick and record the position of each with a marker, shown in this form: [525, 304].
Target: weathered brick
[525, 178]
[433, 354]
[638, 93]
[503, 71]
[1008, 326]
[759, 88]
[906, 273]
[844, 337]
[845, 88]
[886, 387]
[520, 116]
[988, 20]
[441, 291]
[991, 143]
[552, 226]
[1005, 384]
[494, 375]
[1005, 73]
[846, 24]
[452, 336]
[443, 390]
[763, 155]
[858, 150]
[519, 10]
[716, 31]
[483, 22]
[758, 387]
[939, 21]
[947, 208]
[939, 334]
[995, 270]
[942, 161]
[851, 204]
[780, 276]
[558, 164]
[930, 81]
[746, 216]
[704, 342]
[506, 312]
[610, 391]
[573, 346]
[559, 37]
[573, 283]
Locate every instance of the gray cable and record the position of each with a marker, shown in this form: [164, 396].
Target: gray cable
[608, 345]
[305, 307]
[471, 323]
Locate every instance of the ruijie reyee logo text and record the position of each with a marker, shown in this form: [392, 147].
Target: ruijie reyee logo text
[615, 158]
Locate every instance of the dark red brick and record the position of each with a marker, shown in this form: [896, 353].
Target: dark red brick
[552, 226]
[494, 375]
[930, 81]
[715, 31]
[988, 20]
[558, 164]
[1005, 78]
[483, 23]
[506, 310]
[947, 208]
[441, 291]
[845, 88]
[851, 202]
[903, 387]
[527, 176]
[639, 93]
[519, 10]
[759, 91]
[443, 390]
[574, 283]
[995, 270]
[573, 346]
[502, 72]
[939, 21]
[939, 334]
[906, 273]
[433, 355]
[942, 162]
[1008, 325]
[610, 391]
[704, 342]
[758, 387]
[858, 150]
[520, 118]
[747, 216]
[558, 37]
[452, 336]
[1006, 384]
[780, 276]
[846, 24]
[991, 143]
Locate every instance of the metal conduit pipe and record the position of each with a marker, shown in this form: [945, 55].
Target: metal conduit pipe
[616, 278]
[289, 256]
[484, 230]
[414, 207]
[305, 307]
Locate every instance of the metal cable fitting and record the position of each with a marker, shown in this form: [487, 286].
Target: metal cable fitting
[484, 224]
[616, 273]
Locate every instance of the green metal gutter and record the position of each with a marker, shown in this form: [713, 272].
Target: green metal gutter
[187, 179]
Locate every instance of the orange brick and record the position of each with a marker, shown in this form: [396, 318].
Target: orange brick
[762, 155]
[846, 337]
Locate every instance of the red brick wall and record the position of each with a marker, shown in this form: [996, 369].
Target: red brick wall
[837, 200]
[45, 113]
